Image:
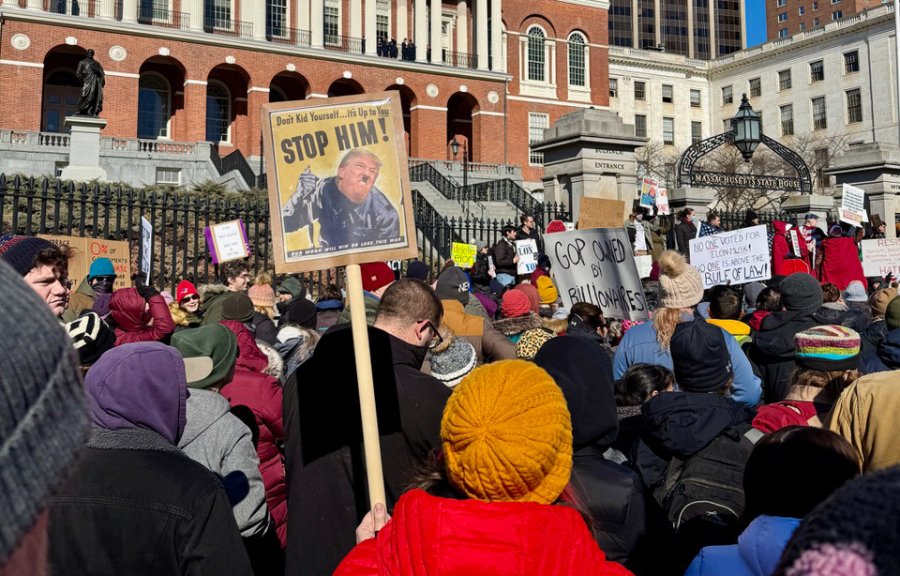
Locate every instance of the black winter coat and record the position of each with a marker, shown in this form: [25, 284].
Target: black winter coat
[871, 337]
[772, 351]
[684, 233]
[324, 454]
[138, 505]
[504, 253]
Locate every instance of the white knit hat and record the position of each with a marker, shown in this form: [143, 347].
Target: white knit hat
[454, 363]
[680, 285]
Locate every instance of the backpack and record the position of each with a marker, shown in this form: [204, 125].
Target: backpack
[703, 495]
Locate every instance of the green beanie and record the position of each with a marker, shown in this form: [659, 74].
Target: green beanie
[215, 342]
[291, 285]
[892, 314]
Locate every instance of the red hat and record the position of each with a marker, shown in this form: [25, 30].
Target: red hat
[556, 226]
[514, 304]
[185, 288]
[375, 275]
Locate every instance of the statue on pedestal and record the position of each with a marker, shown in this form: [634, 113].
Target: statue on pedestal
[93, 79]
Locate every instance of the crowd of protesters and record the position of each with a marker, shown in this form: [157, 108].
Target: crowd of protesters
[745, 430]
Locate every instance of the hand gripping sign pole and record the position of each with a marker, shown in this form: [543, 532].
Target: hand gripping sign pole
[366, 385]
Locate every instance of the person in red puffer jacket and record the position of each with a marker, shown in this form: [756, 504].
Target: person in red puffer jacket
[140, 316]
[262, 395]
[506, 420]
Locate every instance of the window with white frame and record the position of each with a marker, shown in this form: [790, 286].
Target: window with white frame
[332, 23]
[696, 132]
[695, 98]
[816, 71]
[169, 176]
[576, 51]
[536, 58]
[383, 19]
[802, 26]
[277, 19]
[781, 3]
[613, 88]
[727, 96]
[854, 106]
[782, 16]
[815, 5]
[154, 96]
[537, 123]
[153, 11]
[218, 112]
[819, 113]
[787, 120]
[667, 93]
[837, 15]
[640, 90]
[783, 33]
[755, 87]
[851, 62]
[217, 14]
[668, 131]
[815, 22]
[801, 11]
[640, 125]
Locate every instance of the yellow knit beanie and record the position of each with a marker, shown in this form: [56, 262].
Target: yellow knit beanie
[547, 290]
[507, 434]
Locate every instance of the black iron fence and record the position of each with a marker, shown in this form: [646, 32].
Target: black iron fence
[113, 211]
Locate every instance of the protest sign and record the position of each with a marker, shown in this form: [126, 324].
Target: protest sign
[463, 254]
[735, 257]
[227, 241]
[146, 249]
[662, 201]
[601, 213]
[881, 257]
[86, 250]
[597, 266]
[644, 265]
[852, 209]
[648, 192]
[338, 182]
[527, 253]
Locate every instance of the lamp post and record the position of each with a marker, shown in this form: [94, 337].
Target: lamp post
[454, 147]
[746, 126]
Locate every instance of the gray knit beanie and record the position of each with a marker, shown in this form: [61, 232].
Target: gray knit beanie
[43, 411]
[801, 292]
[454, 363]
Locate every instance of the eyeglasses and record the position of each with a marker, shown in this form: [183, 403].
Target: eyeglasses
[436, 339]
[190, 298]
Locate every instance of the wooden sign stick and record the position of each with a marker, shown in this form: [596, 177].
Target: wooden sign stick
[364, 379]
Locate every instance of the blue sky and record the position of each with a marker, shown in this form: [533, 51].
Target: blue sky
[756, 22]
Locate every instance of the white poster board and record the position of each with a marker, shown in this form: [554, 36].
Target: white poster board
[852, 210]
[662, 201]
[881, 257]
[527, 252]
[146, 249]
[735, 257]
[597, 266]
[228, 241]
[644, 265]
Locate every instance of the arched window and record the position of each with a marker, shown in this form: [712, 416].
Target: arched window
[536, 56]
[576, 60]
[218, 112]
[153, 106]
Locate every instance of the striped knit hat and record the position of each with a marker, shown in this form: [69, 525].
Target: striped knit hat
[827, 348]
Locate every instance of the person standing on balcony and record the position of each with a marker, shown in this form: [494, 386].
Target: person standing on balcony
[528, 231]
[505, 257]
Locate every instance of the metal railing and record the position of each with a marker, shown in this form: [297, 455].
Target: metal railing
[227, 27]
[348, 44]
[153, 15]
[459, 59]
[290, 36]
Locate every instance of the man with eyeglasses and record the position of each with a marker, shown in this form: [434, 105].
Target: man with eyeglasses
[43, 265]
[323, 439]
[234, 277]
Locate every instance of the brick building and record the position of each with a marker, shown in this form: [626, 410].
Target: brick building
[784, 18]
[491, 75]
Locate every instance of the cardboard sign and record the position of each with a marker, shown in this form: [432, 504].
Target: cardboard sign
[527, 252]
[227, 241]
[662, 201]
[881, 257]
[597, 266]
[601, 213]
[463, 254]
[644, 265]
[648, 193]
[324, 157]
[735, 257]
[86, 250]
[852, 209]
[146, 249]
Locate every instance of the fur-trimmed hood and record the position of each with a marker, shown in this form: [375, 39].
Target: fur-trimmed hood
[513, 326]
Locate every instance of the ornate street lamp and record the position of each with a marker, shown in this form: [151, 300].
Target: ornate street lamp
[746, 126]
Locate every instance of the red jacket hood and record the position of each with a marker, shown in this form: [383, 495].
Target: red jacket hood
[431, 536]
[779, 227]
[128, 308]
[250, 357]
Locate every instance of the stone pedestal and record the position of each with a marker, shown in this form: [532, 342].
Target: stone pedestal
[876, 169]
[84, 149]
[589, 153]
[700, 199]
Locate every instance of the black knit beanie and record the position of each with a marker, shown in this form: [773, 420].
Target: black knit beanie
[700, 357]
[20, 251]
[43, 412]
[453, 284]
[801, 292]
